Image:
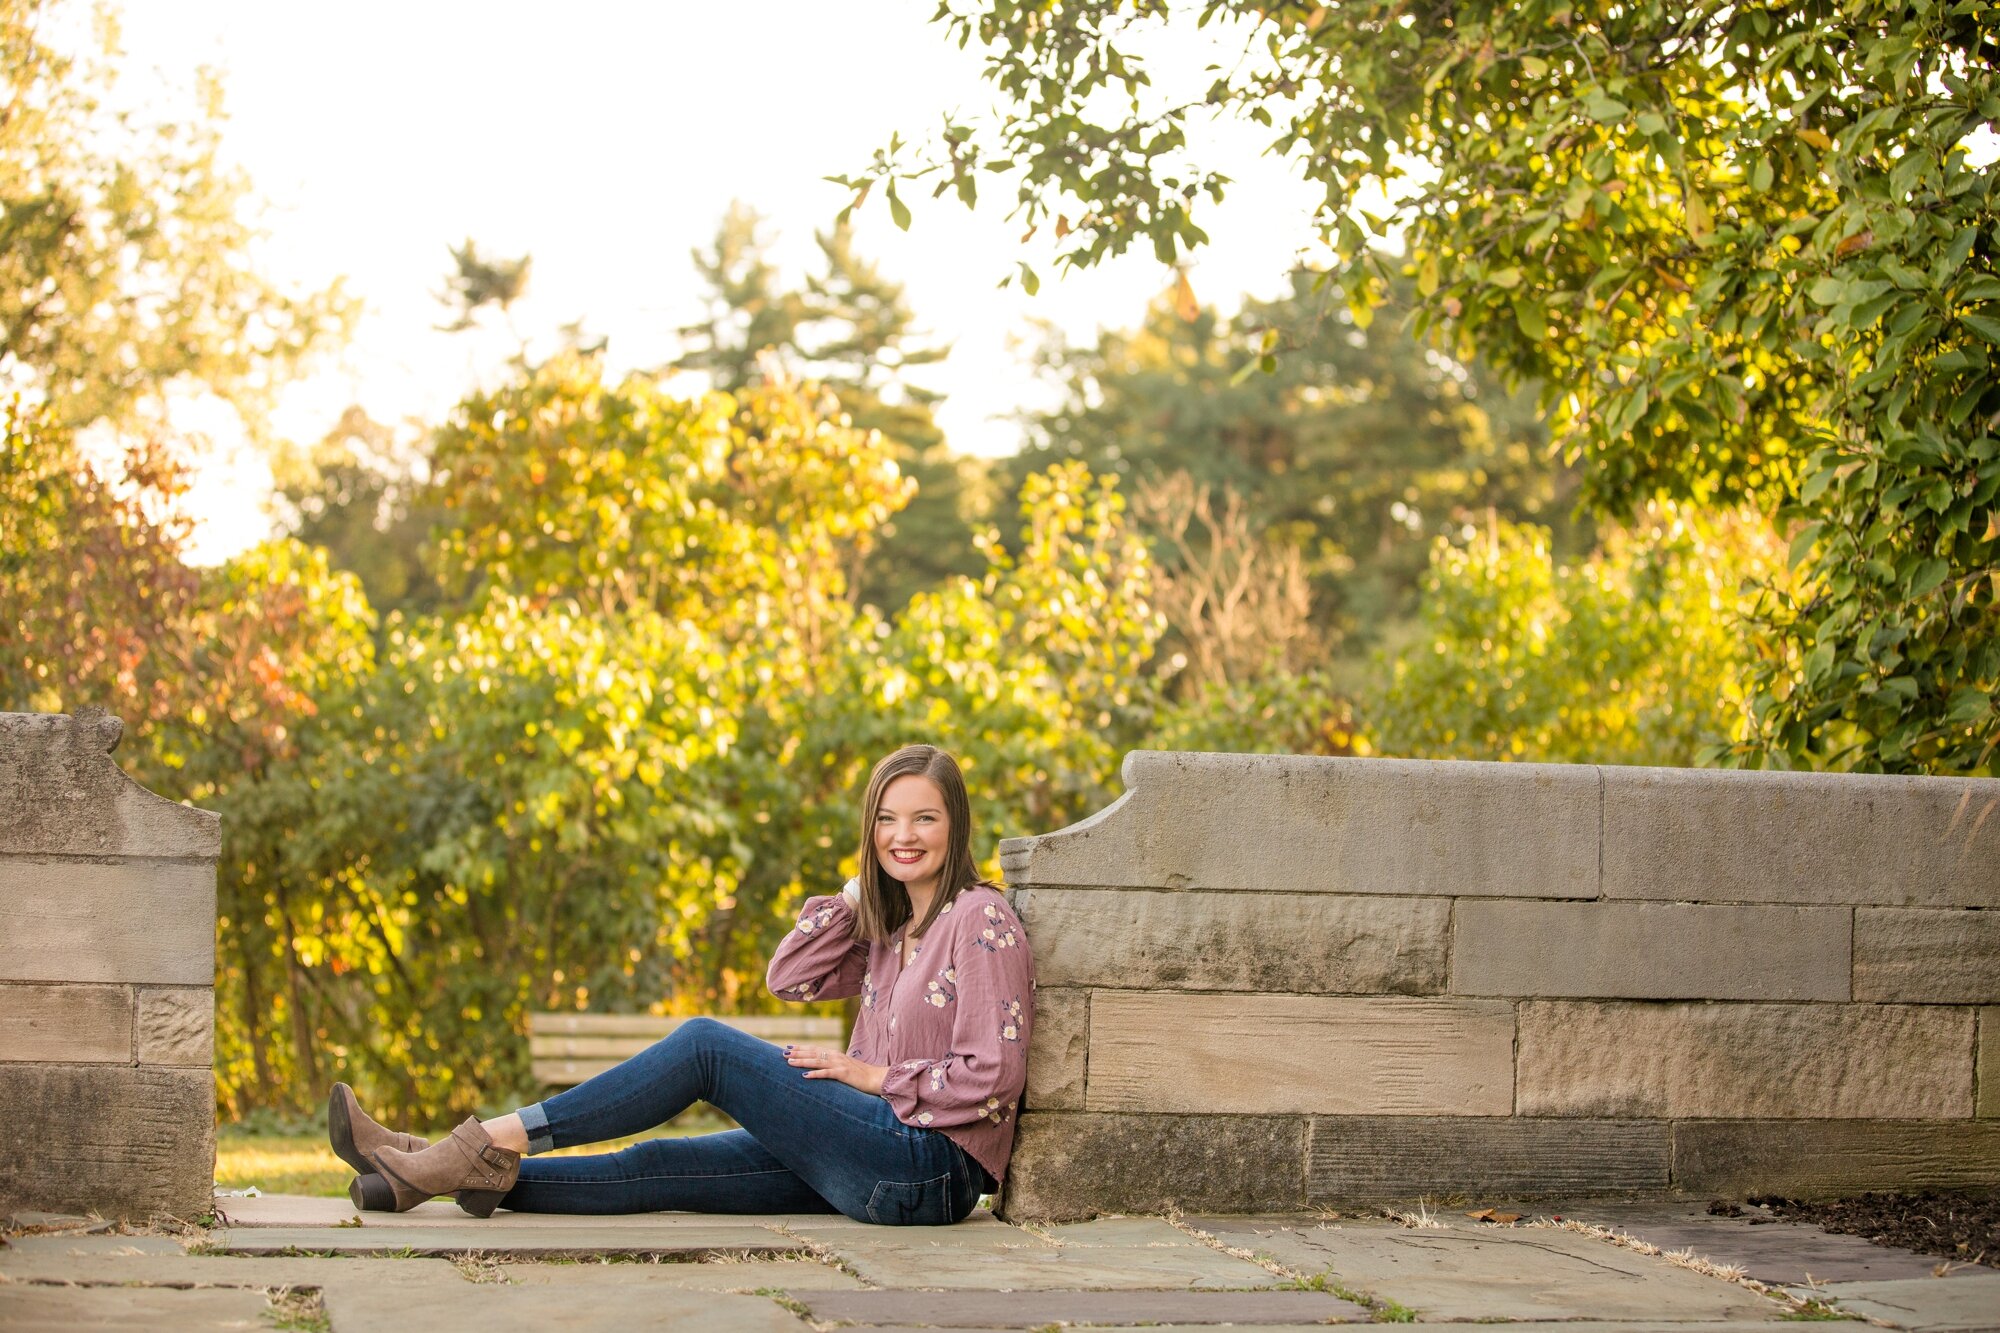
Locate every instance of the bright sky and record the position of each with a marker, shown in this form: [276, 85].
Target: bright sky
[607, 139]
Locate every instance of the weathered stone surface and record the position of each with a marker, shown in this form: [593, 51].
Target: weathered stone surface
[76, 1246]
[1926, 955]
[212, 1270]
[1710, 836]
[176, 1025]
[61, 794]
[133, 920]
[1161, 940]
[492, 1308]
[1057, 1048]
[1018, 1260]
[1666, 951]
[1925, 1305]
[1407, 1157]
[1989, 1062]
[295, 1210]
[1519, 1273]
[1273, 1054]
[720, 1275]
[1070, 1164]
[66, 1024]
[1822, 1158]
[1765, 1248]
[29, 1309]
[1291, 824]
[539, 1240]
[125, 1142]
[1450, 1326]
[1750, 1061]
[1030, 1309]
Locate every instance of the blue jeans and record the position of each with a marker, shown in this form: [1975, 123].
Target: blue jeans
[806, 1146]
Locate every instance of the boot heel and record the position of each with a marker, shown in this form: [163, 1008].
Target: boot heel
[480, 1203]
[372, 1194]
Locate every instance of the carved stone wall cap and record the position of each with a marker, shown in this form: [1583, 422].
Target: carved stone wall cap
[61, 794]
[95, 721]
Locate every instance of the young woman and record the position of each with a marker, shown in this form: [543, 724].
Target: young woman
[910, 1125]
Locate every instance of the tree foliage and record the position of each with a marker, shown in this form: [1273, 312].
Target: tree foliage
[1356, 444]
[850, 328]
[125, 265]
[1631, 656]
[1741, 246]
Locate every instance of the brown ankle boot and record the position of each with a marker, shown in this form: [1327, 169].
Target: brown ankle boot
[355, 1136]
[468, 1164]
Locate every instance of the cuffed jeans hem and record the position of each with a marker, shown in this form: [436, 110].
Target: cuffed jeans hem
[535, 1121]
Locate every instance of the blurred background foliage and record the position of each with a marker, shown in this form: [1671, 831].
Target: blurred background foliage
[563, 701]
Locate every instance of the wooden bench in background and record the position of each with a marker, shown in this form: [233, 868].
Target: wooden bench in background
[566, 1049]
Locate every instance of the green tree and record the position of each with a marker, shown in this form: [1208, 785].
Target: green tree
[750, 315]
[1740, 246]
[360, 495]
[1632, 656]
[93, 590]
[125, 253]
[850, 328]
[221, 675]
[1359, 445]
[859, 340]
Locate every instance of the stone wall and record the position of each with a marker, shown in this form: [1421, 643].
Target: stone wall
[1267, 983]
[107, 977]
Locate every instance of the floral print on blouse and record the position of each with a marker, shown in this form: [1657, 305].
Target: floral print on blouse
[952, 1027]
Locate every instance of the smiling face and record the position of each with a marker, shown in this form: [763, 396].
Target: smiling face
[912, 831]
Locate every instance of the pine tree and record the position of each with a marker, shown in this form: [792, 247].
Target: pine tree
[851, 329]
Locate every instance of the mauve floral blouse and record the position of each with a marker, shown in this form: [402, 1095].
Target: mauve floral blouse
[952, 1027]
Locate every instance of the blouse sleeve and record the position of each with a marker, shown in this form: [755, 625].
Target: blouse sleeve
[981, 1076]
[819, 959]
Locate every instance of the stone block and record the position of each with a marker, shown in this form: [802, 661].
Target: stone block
[1830, 1158]
[1925, 1305]
[1926, 955]
[132, 921]
[26, 1309]
[741, 1275]
[1743, 1061]
[1290, 823]
[121, 1141]
[1666, 951]
[1305, 943]
[493, 1308]
[1464, 1270]
[536, 1237]
[1374, 1158]
[1057, 1048]
[66, 1024]
[1004, 1258]
[1768, 1250]
[1276, 1054]
[1102, 1309]
[1076, 1164]
[1709, 836]
[1989, 1063]
[62, 795]
[176, 1025]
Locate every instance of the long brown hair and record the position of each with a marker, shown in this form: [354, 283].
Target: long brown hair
[885, 906]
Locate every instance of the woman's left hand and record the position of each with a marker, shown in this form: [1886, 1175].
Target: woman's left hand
[838, 1065]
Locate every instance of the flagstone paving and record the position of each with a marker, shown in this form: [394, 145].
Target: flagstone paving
[26, 1309]
[1478, 1271]
[716, 1275]
[1765, 1247]
[435, 1267]
[1925, 1305]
